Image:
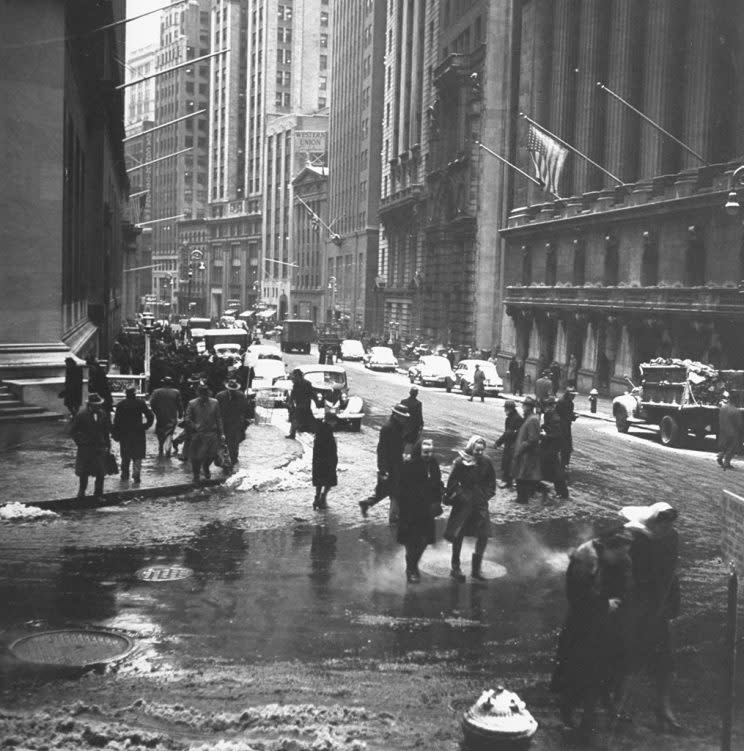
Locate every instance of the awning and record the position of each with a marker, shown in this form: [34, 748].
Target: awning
[266, 314]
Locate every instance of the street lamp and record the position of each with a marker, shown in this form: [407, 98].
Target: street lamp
[736, 181]
[332, 287]
[146, 324]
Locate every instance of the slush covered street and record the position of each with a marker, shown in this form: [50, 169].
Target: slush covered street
[296, 628]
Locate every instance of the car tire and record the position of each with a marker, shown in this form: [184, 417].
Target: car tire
[669, 431]
[356, 426]
[621, 419]
[448, 385]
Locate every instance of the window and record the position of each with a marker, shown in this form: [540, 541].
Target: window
[324, 62]
[324, 18]
[323, 83]
[322, 102]
[324, 41]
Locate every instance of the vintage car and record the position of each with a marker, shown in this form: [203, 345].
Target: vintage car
[352, 349]
[464, 376]
[227, 351]
[257, 352]
[432, 370]
[267, 371]
[332, 392]
[381, 358]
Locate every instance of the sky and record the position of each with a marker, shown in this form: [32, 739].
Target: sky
[146, 30]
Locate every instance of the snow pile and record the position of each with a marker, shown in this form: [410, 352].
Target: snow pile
[19, 512]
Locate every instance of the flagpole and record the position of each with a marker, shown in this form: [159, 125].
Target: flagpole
[652, 123]
[516, 169]
[164, 125]
[572, 148]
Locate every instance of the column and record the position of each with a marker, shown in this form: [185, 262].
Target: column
[588, 136]
[414, 103]
[698, 90]
[621, 123]
[657, 86]
[563, 83]
[404, 33]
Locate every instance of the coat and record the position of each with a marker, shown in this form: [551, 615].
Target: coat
[526, 462]
[564, 408]
[420, 490]
[204, 424]
[469, 516]
[129, 427]
[73, 391]
[390, 456]
[234, 412]
[325, 457]
[479, 382]
[592, 646]
[300, 403]
[730, 427]
[543, 389]
[416, 419]
[507, 439]
[551, 467]
[98, 383]
[166, 404]
[90, 429]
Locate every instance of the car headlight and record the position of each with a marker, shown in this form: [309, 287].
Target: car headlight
[344, 398]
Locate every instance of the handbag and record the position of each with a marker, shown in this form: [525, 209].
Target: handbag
[222, 459]
[454, 496]
[110, 464]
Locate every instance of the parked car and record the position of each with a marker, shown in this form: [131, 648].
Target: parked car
[381, 358]
[267, 372]
[432, 370]
[227, 351]
[464, 376]
[257, 352]
[352, 349]
[332, 389]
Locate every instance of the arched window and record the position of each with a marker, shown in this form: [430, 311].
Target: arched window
[649, 261]
[612, 262]
[695, 258]
[526, 266]
[551, 265]
[579, 263]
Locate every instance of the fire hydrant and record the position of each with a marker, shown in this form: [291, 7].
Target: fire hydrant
[593, 396]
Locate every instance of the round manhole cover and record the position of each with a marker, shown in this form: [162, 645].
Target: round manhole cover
[441, 567]
[164, 573]
[72, 647]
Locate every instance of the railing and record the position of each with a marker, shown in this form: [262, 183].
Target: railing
[118, 383]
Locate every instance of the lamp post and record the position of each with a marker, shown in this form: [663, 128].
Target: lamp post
[333, 288]
[146, 325]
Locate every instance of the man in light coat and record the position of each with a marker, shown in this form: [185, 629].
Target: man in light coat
[526, 463]
[204, 425]
[479, 384]
[166, 403]
[730, 431]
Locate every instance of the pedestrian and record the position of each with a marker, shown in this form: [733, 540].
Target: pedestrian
[730, 431]
[543, 389]
[479, 384]
[389, 460]
[471, 484]
[203, 424]
[592, 652]
[416, 419]
[656, 599]
[420, 494]
[507, 439]
[132, 418]
[520, 378]
[234, 411]
[572, 375]
[555, 376]
[551, 441]
[91, 430]
[167, 407]
[564, 408]
[322, 350]
[325, 459]
[513, 373]
[72, 395]
[526, 464]
[98, 382]
[299, 405]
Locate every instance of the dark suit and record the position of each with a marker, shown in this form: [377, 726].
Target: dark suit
[415, 421]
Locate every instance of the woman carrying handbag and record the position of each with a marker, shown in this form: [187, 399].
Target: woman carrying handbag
[471, 484]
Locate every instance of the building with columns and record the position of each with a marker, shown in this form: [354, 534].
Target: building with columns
[354, 158]
[645, 263]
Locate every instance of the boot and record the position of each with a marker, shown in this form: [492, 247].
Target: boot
[475, 567]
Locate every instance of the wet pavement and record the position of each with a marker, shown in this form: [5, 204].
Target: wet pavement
[297, 629]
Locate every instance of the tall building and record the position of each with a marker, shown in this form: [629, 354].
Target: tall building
[139, 99]
[410, 52]
[64, 188]
[273, 72]
[355, 142]
[179, 183]
[647, 265]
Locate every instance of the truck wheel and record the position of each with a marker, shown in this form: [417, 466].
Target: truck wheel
[621, 419]
[356, 425]
[669, 431]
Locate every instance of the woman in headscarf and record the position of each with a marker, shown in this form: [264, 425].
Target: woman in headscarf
[420, 494]
[471, 483]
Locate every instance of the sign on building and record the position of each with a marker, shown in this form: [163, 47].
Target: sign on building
[310, 141]
[732, 529]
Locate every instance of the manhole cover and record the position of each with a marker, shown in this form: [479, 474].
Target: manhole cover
[441, 567]
[72, 647]
[164, 573]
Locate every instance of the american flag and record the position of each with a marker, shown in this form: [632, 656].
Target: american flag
[548, 157]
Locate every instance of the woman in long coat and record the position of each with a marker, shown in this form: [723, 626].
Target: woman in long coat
[325, 460]
[420, 492]
[470, 485]
[590, 660]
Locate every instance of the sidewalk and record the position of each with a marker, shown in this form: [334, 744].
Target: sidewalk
[37, 466]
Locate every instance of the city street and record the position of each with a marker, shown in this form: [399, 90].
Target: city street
[297, 629]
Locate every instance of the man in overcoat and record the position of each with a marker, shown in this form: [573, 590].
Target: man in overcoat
[234, 410]
[526, 463]
[300, 405]
[206, 433]
[479, 384]
[512, 424]
[730, 431]
[73, 391]
[564, 408]
[131, 419]
[91, 430]
[543, 389]
[416, 419]
[166, 404]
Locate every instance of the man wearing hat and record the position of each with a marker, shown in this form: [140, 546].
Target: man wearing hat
[234, 411]
[300, 404]
[526, 463]
[730, 431]
[512, 424]
[90, 429]
[564, 408]
[389, 461]
[543, 389]
[167, 406]
[416, 419]
[550, 449]
[131, 419]
[204, 425]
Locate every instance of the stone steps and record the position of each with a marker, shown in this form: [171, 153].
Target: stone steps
[13, 409]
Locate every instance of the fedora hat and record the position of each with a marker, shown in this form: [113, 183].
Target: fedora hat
[401, 410]
[94, 398]
[232, 385]
[639, 517]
